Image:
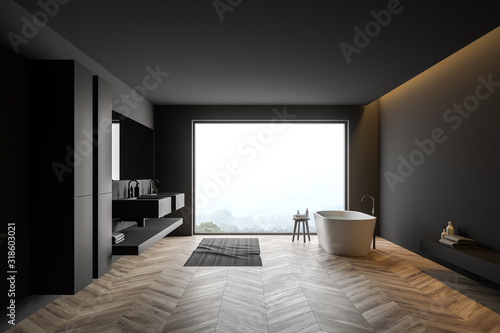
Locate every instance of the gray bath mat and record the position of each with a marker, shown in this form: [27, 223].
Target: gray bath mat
[226, 252]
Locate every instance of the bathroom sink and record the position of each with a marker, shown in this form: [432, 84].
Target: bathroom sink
[145, 208]
[177, 198]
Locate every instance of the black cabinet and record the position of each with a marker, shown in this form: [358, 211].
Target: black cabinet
[61, 177]
[81, 260]
[102, 245]
[102, 119]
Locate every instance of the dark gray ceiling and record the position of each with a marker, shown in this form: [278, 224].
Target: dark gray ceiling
[269, 52]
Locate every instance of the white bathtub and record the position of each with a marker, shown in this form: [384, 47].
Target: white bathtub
[344, 232]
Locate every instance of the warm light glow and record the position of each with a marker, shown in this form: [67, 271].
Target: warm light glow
[444, 73]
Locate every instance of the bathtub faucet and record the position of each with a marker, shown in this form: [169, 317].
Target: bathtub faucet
[373, 213]
[373, 203]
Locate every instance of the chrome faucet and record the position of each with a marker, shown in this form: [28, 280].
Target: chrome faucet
[131, 193]
[373, 203]
[373, 213]
[152, 187]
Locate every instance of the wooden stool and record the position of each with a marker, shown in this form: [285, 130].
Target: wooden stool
[296, 226]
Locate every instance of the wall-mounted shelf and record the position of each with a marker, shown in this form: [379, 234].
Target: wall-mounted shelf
[480, 261]
[138, 239]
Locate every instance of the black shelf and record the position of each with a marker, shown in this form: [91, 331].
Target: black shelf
[480, 261]
[138, 239]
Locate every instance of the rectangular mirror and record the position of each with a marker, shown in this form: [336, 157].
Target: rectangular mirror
[136, 149]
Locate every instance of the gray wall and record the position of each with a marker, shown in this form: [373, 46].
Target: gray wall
[15, 86]
[48, 44]
[459, 178]
[173, 144]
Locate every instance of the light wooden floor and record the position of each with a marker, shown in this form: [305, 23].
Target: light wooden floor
[299, 288]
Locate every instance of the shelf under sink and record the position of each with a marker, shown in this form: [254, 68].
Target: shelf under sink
[138, 239]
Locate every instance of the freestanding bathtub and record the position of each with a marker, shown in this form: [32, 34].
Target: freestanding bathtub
[345, 232]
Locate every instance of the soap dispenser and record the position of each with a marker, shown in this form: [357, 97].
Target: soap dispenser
[443, 234]
[449, 229]
[136, 190]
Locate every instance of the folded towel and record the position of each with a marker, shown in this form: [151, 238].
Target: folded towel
[300, 216]
[116, 241]
[447, 242]
[460, 239]
[451, 243]
[118, 237]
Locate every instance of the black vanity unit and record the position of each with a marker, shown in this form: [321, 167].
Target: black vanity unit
[102, 192]
[149, 211]
[61, 177]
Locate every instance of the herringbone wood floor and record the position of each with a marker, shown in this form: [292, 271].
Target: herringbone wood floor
[299, 288]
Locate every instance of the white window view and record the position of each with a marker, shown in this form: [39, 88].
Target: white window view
[115, 151]
[253, 177]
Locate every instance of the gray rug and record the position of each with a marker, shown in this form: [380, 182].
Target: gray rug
[226, 252]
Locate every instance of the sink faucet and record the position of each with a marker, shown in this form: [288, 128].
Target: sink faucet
[373, 203]
[152, 187]
[131, 193]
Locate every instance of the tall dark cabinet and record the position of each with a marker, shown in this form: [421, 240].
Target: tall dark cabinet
[102, 201]
[61, 177]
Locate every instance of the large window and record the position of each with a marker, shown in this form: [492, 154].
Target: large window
[115, 150]
[251, 177]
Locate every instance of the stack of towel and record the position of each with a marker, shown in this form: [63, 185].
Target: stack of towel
[118, 237]
[457, 241]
